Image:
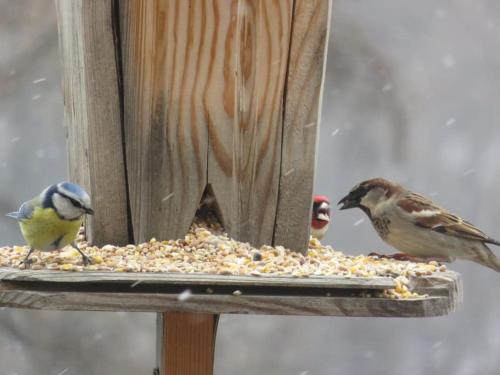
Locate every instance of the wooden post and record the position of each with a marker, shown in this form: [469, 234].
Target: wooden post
[91, 88]
[165, 98]
[186, 343]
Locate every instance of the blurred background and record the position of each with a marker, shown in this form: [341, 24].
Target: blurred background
[412, 94]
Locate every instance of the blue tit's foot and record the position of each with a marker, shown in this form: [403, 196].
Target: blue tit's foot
[27, 261]
[86, 259]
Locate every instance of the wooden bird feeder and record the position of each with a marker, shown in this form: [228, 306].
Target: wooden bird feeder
[165, 100]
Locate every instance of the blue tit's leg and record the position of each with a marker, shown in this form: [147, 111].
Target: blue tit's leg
[26, 261]
[85, 258]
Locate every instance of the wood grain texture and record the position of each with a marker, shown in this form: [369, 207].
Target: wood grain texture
[307, 60]
[203, 90]
[251, 46]
[93, 115]
[165, 54]
[187, 343]
[190, 280]
[444, 289]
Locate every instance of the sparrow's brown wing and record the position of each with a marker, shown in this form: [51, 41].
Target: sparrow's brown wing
[427, 214]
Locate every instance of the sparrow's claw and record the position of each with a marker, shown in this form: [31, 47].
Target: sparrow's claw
[402, 257]
[399, 256]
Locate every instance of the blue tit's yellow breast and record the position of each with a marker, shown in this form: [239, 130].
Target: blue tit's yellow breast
[46, 231]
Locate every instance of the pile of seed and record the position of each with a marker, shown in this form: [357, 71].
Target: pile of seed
[207, 249]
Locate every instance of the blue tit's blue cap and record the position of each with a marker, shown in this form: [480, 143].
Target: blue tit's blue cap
[74, 189]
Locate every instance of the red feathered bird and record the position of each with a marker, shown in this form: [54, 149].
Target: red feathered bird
[320, 216]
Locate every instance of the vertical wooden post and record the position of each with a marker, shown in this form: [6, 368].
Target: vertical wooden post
[186, 343]
[92, 114]
[302, 106]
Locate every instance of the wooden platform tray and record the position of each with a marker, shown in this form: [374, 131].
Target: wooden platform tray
[217, 294]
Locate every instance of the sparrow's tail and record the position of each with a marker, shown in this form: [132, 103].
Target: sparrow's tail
[484, 256]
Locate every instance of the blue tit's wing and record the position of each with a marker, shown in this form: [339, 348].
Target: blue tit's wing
[25, 211]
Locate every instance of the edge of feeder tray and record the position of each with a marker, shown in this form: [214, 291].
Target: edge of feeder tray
[224, 294]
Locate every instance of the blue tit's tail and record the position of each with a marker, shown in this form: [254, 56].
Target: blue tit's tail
[14, 215]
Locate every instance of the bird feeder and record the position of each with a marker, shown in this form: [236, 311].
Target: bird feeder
[166, 101]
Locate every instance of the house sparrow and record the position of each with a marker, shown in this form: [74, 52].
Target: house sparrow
[417, 226]
[320, 216]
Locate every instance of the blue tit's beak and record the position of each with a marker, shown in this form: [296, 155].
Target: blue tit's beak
[89, 211]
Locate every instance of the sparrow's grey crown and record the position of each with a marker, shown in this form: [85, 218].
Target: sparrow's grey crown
[358, 192]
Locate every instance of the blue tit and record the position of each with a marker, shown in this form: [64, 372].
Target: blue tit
[51, 221]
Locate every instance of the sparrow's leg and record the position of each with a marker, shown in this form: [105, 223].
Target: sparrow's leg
[86, 260]
[26, 261]
[412, 258]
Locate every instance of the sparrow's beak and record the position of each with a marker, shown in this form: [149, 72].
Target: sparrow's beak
[89, 211]
[347, 202]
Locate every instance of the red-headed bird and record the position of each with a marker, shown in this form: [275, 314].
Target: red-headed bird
[320, 216]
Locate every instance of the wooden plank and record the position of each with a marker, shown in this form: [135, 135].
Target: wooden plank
[189, 280]
[187, 343]
[250, 57]
[444, 290]
[166, 54]
[309, 42]
[228, 304]
[92, 113]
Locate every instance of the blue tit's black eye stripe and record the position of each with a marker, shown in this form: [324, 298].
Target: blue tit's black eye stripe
[73, 201]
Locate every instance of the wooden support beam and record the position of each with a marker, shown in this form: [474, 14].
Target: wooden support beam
[302, 106]
[91, 88]
[186, 343]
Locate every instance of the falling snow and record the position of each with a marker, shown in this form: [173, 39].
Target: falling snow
[450, 121]
[387, 87]
[448, 61]
[468, 172]
[40, 153]
[63, 371]
[39, 80]
[136, 283]
[437, 344]
[439, 13]
[36, 97]
[310, 125]
[168, 197]
[335, 132]
[289, 172]
[14, 139]
[185, 295]
[359, 222]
